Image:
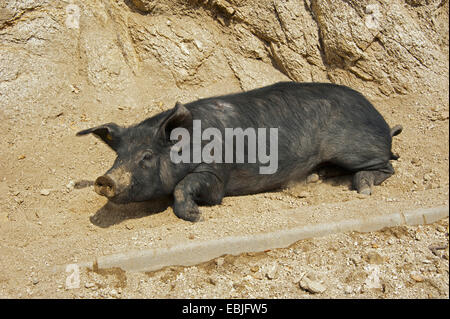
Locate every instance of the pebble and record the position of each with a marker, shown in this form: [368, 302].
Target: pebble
[373, 280]
[212, 281]
[311, 286]
[89, 285]
[272, 272]
[257, 275]
[254, 268]
[45, 192]
[113, 293]
[220, 261]
[417, 277]
[303, 194]
[440, 229]
[418, 236]
[70, 185]
[313, 178]
[348, 289]
[356, 260]
[374, 258]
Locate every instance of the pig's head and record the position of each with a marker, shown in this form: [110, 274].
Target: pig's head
[143, 169]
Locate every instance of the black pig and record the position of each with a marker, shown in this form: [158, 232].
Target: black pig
[316, 123]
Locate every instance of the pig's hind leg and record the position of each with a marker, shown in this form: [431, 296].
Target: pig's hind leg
[364, 180]
[203, 187]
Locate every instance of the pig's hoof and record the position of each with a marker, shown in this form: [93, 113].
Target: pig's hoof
[192, 217]
[365, 191]
[188, 212]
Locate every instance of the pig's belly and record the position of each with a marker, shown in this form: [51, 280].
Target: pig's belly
[242, 182]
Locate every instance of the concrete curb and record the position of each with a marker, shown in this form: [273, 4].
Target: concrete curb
[198, 252]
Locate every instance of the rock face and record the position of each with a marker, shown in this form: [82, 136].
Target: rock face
[117, 50]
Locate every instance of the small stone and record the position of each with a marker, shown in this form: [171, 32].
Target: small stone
[254, 268]
[89, 285]
[113, 293]
[348, 290]
[35, 281]
[417, 277]
[129, 227]
[45, 192]
[303, 194]
[74, 89]
[70, 185]
[428, 177]
[212, 281]
[356, 260]
[21, 157]
[191, 236]
[272, 272]
[257, 275]
[373, 280]
[198, 44]
[220, 261]
[374, 258]
[313, 178]
[311, 286]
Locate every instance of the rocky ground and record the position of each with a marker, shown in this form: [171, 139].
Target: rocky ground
[51, 216]
[398, 262]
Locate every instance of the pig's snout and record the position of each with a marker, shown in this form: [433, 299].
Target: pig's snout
[105, 186]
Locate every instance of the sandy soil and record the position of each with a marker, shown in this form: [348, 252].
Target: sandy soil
[49, 215]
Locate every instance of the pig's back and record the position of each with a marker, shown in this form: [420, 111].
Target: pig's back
[316, 122]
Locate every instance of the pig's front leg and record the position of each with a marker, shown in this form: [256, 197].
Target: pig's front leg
[203, 187]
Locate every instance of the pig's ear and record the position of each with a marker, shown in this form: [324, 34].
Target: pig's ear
[179, 116]
[109, 133]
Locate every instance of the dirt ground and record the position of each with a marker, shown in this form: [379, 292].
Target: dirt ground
[50, 215]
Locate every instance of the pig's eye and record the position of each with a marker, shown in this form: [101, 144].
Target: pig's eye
[147, 156]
